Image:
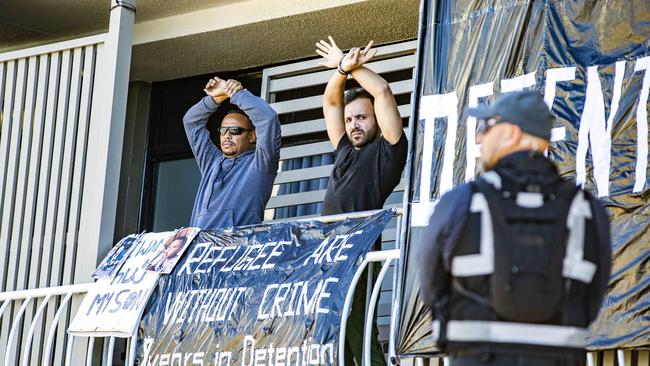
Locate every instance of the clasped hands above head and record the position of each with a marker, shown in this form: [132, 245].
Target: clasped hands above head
[344, 63]
[220, 89]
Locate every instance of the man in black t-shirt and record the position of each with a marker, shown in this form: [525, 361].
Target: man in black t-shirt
[365, 128]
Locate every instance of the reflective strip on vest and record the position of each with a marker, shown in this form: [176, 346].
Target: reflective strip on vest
[493, 178]
[530, 199]
[519, 333]
[574, 265]
[483, 262]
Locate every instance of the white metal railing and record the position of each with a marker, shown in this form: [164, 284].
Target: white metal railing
[386, 256]
[62, 108]
[20, 352]
[26, 297]
[372, 295]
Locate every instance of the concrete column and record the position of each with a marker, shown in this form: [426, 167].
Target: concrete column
[104, 157]
[105, 141]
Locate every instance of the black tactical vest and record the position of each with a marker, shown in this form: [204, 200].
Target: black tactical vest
[519, 269]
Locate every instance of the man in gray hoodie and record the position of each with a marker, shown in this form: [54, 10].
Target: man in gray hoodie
[236, 177]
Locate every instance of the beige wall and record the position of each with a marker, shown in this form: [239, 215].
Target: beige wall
[275, 41]
[202, 36]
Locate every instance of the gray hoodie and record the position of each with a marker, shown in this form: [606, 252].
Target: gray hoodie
[233, 192]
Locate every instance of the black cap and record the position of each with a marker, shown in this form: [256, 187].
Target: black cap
[525, 109]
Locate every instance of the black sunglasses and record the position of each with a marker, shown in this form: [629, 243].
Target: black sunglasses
[234, 130]
[484, 125]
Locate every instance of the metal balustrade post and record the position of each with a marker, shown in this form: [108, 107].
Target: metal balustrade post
[620, 355]
[590, 359]
[367, 334]
[68, 350]
[14, 327]
[346, 309]
[30, 333]
[47, 357]
[109, 351]
[369, 283]
[133, 343]
[395, 296]
[89, 353]
[4, 306]
[378, 256]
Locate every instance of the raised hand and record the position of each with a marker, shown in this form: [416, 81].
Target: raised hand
[216, 88]
[232, 87]
[357, 57]
[330, 52]
[367, 53]
[350, 61]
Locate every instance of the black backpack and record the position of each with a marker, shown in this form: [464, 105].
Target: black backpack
[529, 249]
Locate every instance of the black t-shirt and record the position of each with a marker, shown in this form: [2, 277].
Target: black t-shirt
[362, 179]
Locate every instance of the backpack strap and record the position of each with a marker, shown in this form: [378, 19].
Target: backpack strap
[575, 266]
[483, 262]
[480, 299]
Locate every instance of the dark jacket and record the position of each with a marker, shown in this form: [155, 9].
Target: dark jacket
[452, 233]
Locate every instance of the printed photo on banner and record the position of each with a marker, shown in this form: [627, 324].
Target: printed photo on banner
[171, 251]
[116, 257]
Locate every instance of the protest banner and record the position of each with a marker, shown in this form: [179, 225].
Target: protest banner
[114, 305]
[261, 295]
[591, 62]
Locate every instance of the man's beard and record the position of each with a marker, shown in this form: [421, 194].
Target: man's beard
[366, 138]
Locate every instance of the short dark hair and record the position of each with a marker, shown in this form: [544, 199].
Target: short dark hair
[356, 93]
[239, 111]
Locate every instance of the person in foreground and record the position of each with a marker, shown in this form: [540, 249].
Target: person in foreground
[365, 128]
[236, 177]
[515, 265]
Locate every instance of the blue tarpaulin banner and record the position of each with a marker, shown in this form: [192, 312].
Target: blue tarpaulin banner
[591, 62]
[259, 295]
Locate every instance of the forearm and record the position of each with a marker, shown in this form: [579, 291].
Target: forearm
[431, 272]
[265, 120]
[386, 112]
[198, 136]
[195, 120]
[333, 107]
[199, 113]
[260, 113]
[333, 95]
[372, 83]
[443, 232]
